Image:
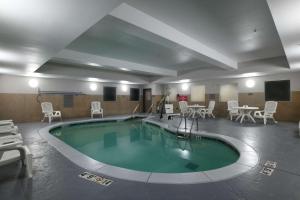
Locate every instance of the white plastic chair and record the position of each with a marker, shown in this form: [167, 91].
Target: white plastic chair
[184, 109]
[12, 150]
[268, 112]
[96, 109]
[209, 110]
[48, 111]
[232, 110]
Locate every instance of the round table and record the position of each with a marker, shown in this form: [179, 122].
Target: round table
[245, 111]
[195, 108]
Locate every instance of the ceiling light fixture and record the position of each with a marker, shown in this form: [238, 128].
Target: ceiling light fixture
[184, 86]
[124, 88]
[93, 86]
[94, 64]
[250, 83]
[124, 69]
[33, 83]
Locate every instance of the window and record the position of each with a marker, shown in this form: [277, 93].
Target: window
[198, 93]
[228, 92]
[134, 94]
[109, 93]
[277, 90]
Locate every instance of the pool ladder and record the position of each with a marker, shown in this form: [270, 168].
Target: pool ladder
[185, 127]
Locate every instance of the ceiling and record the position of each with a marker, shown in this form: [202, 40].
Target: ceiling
[33, 31]
[287, 19]
[144, 41]
[114, 38]
[227, 26]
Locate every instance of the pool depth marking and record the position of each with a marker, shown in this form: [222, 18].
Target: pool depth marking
[96, 179]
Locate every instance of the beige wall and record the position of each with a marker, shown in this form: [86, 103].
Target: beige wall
[26, 108]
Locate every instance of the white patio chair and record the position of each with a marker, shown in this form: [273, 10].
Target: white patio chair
[48, 111]
[268, 112]
[12, 150]
[7, 126]
[209, 110]
[184, 109]
[96, 109]
[232, 110]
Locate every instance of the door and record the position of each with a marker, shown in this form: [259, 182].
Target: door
[147, 99]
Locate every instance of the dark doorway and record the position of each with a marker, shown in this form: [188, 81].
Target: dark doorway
[147, 99]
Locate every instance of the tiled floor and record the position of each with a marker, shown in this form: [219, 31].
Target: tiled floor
[56, 178]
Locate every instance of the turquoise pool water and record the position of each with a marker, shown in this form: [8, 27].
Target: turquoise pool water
[144, 147]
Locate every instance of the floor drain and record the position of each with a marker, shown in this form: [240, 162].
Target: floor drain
[267, 171]
[96, 179]
[270, 164]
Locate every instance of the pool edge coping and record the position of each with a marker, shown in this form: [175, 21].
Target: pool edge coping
[248, 159]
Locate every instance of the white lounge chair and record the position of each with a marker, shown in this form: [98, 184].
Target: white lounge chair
[209, 110]
[7, 126]
[232, 110]
[268, 112]
[9, 130]
[96, 109]
[4, 122]
[47, 110]
[12, 150]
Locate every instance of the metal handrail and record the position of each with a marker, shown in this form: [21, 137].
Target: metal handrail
[185, 127]
[135, 109]
[150, 108]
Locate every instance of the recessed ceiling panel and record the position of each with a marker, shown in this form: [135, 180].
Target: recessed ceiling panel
[240, 29]
[114, 38]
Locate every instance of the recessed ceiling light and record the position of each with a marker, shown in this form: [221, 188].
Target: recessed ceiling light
[93, 79]
[251, 74]
[124, 69]
[124, 82]
[94, 64]
[184, 81]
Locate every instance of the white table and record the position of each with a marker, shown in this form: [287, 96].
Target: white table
[195, 108]
[245, 111]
